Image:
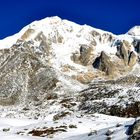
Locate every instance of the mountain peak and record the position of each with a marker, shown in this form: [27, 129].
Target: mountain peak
[76, 45]
[135, 31]
[46, 25]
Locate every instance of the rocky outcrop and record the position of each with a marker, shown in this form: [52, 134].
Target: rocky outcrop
[103, 38]
[132, 110]
[124, 52]
[27, 34]
[106, 38]
[104, 63]
[86, 54]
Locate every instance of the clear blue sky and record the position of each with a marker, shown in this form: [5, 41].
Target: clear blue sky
[116, 16]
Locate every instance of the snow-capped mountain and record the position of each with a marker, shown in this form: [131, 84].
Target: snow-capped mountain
[57, 70]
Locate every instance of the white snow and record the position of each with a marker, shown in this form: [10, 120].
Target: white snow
[97, 123]
[106, 48]
[134, 31]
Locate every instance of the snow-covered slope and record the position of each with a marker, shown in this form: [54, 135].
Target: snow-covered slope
[135, 31]
[86, 128]
[52, 26]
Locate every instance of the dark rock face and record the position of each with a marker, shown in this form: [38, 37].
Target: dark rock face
[103, 63]
[132, 110]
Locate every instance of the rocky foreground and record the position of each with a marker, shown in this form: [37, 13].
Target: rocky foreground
[59, 68]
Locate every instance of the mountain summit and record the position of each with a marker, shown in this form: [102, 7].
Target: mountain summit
[59, 67]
